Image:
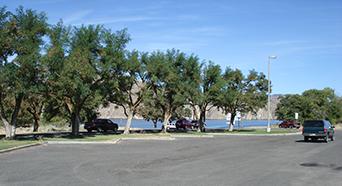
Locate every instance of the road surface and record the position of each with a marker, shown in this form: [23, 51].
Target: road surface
[222, 160]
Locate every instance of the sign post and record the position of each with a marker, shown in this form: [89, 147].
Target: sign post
[296, 117]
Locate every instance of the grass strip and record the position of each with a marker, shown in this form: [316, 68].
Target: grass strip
[7, 144]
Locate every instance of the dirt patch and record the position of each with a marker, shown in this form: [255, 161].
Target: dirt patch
[26, 130]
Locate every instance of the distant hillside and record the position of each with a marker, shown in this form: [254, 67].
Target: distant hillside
[114, 111]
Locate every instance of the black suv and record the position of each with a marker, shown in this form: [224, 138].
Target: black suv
[101, 125]
[315, 129]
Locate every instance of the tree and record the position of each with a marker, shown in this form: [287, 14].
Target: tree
[190, 74]
[163, 77]
[26, 29]
[150, 110]
[79, 78]
[131, 86]
[289, 105]
[53, 63]
[35, 103]
[6, 39]
[205, 95]
[242, 94]
[312, 104]
[6, 50]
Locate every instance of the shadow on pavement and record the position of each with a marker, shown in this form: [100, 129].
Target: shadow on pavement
[310, 141]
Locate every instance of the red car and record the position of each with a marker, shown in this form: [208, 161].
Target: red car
[289, 124]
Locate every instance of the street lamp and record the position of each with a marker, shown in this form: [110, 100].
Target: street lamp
[269, 94]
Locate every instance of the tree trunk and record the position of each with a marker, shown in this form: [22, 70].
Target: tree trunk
[36, 123]
[15, 113]
[5, 121]
[129, 122]
[231, 124]
[202, 121]
[167, 117]
[195, 112]
[75, 124]
[7, 128]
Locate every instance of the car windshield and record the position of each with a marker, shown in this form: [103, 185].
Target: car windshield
[313, 124]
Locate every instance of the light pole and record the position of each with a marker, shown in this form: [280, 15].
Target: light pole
[269, 94]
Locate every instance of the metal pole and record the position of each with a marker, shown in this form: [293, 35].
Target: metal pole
[269, 98]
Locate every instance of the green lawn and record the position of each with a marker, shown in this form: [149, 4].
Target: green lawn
[102, 137]
[6, 144]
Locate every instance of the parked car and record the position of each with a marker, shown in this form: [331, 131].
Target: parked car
[318, 129]
[289, 124]
[187, 124]
[170, 126]
[101, 125]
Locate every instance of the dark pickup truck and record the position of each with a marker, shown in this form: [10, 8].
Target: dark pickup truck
[318, 129]
[101, 125]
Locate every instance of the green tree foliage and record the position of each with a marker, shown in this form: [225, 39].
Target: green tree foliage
[242, 93]
[163, 75]
[205, 95]
[6, 33]
[150, 110]
[6, 50]
[131, 85]
[312, 104]
[53, 62]
[27, 28]
[80, 68]
[79, 77]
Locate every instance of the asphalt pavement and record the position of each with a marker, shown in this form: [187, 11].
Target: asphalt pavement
[221, 160]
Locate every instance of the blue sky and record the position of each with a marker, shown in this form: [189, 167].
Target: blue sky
[306, 35]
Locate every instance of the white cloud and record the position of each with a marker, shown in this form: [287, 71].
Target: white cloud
[76, 17]
[110, 20]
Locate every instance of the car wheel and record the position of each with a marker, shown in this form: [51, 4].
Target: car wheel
[306, 138]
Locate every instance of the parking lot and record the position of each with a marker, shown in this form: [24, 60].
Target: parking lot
[222, 160]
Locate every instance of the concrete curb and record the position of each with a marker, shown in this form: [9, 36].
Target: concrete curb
[228, 134]
[192, 136]
[82, 142]
[20, 147]
[151, 138]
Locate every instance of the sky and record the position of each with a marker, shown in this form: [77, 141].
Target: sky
[305, 35]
